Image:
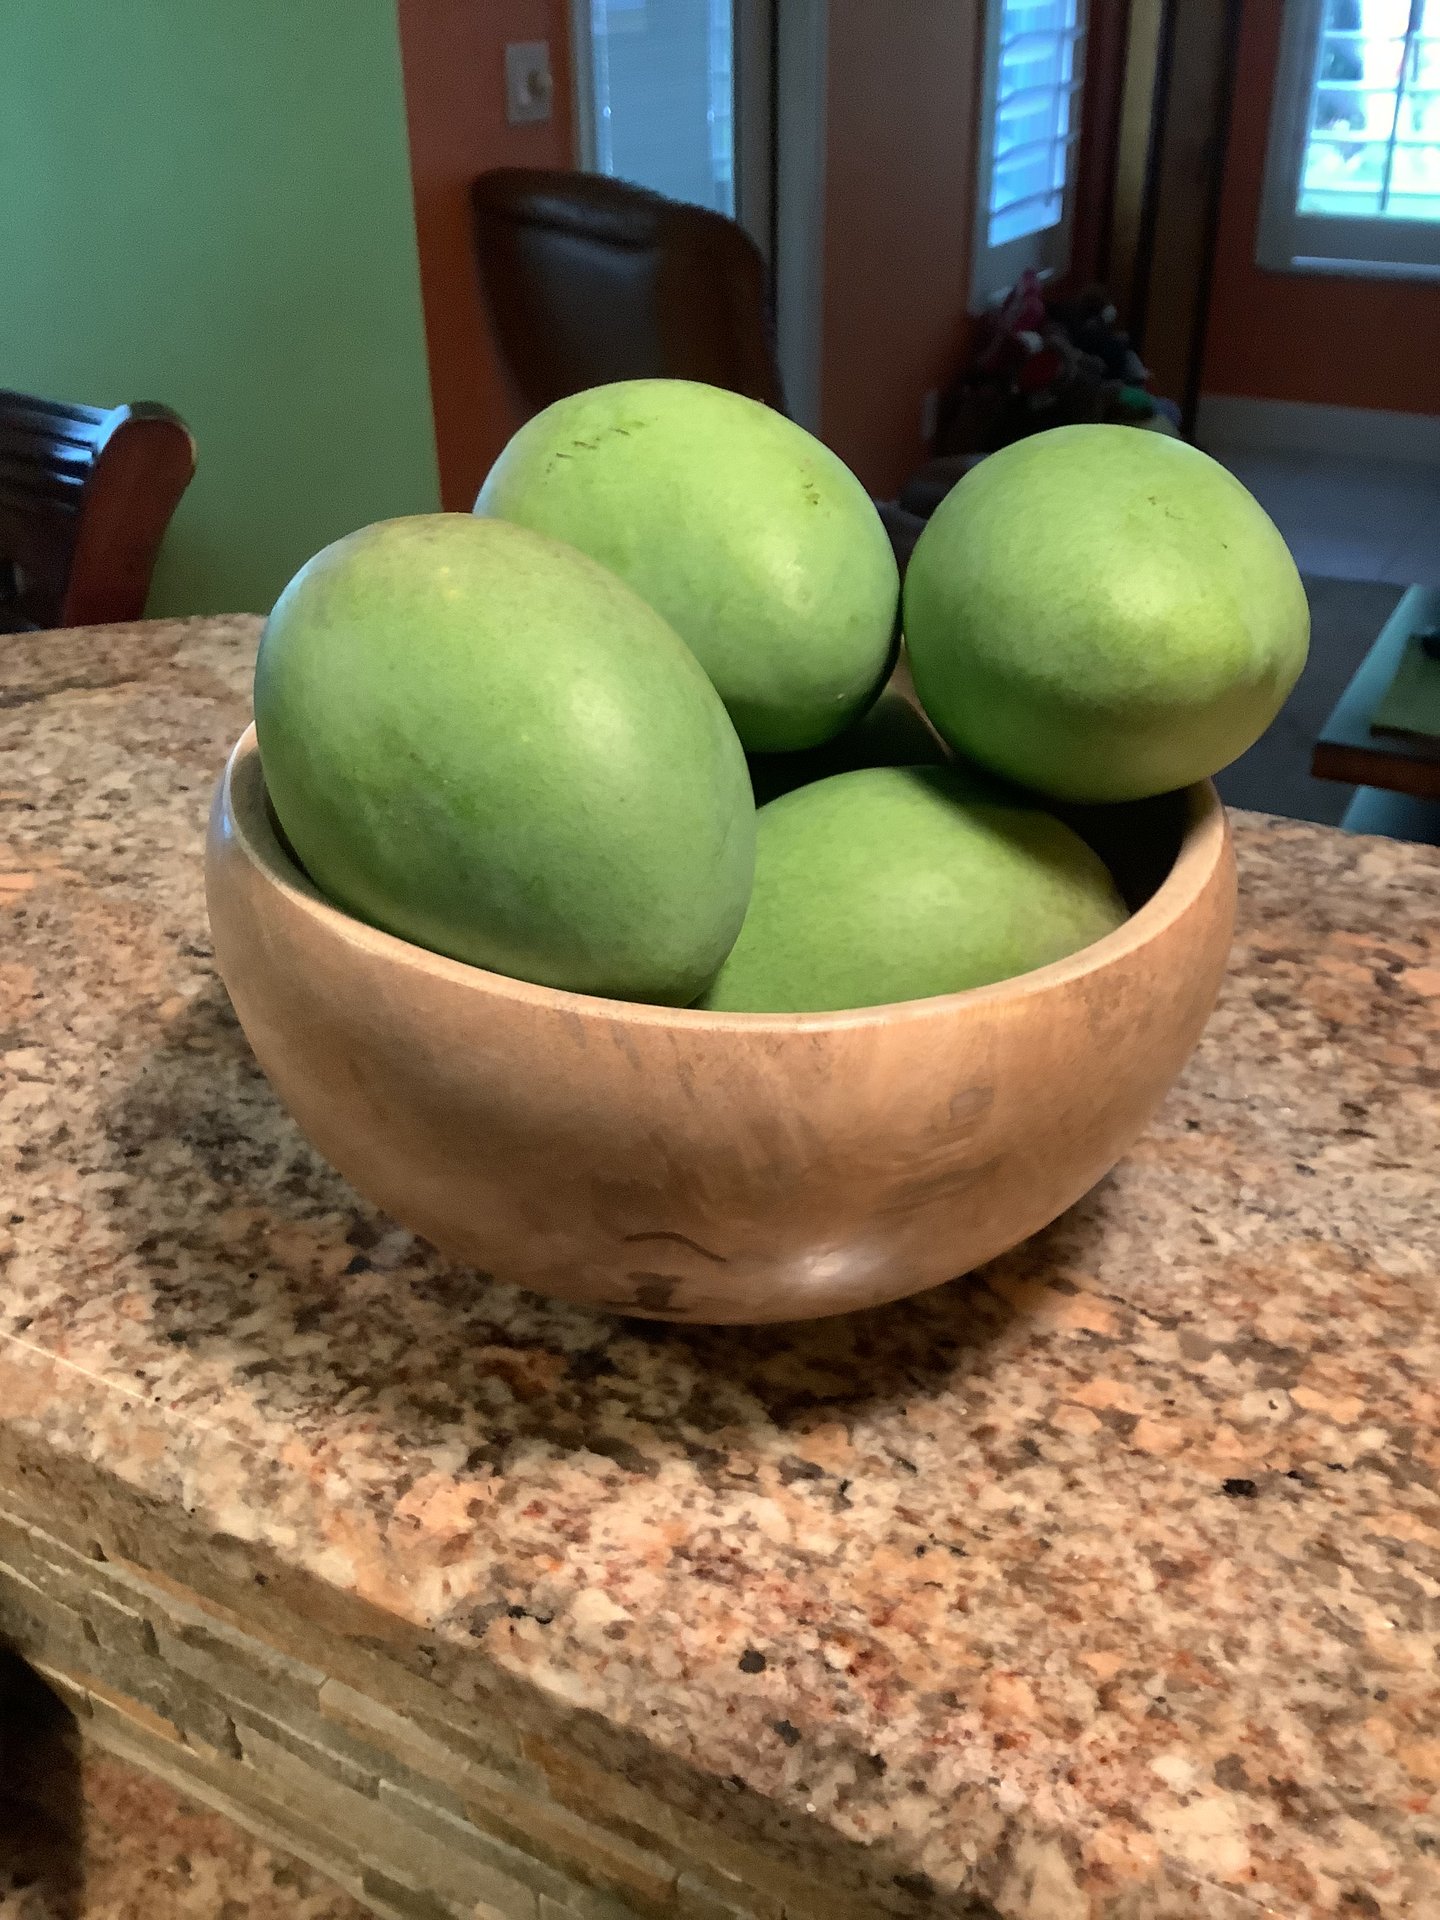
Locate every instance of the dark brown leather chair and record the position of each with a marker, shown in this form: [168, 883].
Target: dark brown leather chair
[589, 279]
[86, 494]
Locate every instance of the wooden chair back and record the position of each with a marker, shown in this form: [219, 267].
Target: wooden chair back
[86, 494]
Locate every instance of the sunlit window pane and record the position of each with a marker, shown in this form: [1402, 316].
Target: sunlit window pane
[1036, 115]
[1374, 123]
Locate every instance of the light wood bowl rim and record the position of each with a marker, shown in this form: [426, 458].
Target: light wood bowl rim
[1202, 851]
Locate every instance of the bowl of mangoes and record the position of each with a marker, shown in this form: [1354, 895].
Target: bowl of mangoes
[611, 901]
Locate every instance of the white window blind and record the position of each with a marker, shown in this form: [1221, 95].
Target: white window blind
[659, 109]
[1353, 175]
[1030, 129]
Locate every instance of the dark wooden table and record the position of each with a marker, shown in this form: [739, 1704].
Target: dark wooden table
[1347, 749]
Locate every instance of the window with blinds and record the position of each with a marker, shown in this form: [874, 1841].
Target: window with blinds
[1036, 115]
[1030, 129]
[1373, 136]
[1352, 180]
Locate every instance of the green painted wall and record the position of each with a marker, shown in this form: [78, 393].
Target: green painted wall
[207, 202]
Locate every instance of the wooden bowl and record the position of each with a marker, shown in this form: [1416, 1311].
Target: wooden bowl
[719, 1167]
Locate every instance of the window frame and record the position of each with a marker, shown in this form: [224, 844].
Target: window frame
[1372, 247]
[994, 270]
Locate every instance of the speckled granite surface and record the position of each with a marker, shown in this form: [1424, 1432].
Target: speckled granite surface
[1102, 1583]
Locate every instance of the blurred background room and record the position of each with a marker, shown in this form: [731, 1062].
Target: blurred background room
[351, 245]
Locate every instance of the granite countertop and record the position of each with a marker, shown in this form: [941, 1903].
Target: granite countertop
[1103, 1582]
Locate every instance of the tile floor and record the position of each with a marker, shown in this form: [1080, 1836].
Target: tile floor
[1365, 521]
[1349, 519]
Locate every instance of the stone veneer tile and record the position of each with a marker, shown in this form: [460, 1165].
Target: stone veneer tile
[587, 1906]
[356, 1657]
[703, 1899]
[586, 1788]
[389, 1893]
[223, 1785]
[374, 1832]
[198, 1688]
[451, 1830]
[341, 1813]
[222, 1658]
[115, 1624]
[257, 1733]
[96, 1537]
[206, 1677]
[581, 1846]
[445, 1756]
[216, 1782]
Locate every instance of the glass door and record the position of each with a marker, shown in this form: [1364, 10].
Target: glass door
[675, 96]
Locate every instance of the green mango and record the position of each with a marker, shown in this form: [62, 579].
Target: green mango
[1103, 614]
[481, 741]
[895, 883]
[756, 543]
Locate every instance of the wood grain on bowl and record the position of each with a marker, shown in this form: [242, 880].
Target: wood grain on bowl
[702, 1166]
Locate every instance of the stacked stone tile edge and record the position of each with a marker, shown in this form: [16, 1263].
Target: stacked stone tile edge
[424, 1810]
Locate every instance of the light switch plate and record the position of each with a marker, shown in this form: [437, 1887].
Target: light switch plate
[529, 87]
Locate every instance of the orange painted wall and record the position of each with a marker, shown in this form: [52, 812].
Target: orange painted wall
[904, 114]
[1312, 337]
[903, 94]
[453, 53]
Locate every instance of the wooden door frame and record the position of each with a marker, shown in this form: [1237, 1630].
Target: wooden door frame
[1170, 160]
[801, 79]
